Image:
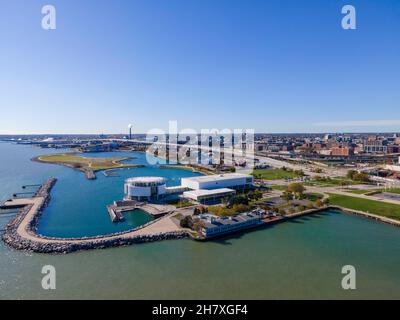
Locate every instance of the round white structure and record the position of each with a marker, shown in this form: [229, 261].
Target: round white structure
[144, 188]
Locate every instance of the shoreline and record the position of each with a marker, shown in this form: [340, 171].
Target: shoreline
[368, 215]
[21, 231]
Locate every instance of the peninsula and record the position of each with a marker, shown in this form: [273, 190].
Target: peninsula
[88, 165]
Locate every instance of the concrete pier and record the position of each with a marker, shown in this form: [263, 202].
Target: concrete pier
[156, 210]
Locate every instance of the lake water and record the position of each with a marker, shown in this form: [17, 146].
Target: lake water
[298, 259]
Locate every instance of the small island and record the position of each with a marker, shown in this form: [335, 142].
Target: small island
[87, 165]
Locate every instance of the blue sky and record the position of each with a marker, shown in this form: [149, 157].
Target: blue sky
[269, 65]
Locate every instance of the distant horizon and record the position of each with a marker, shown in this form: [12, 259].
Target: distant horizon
[256, 133]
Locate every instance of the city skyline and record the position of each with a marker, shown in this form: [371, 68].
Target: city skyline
[206, 65]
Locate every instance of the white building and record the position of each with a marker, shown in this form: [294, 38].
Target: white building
[235, 181]
[395, 168]
[214, 226]
[202, 189]
[144, 188]
[208, 196]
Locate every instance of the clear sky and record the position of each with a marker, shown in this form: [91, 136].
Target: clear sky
[270, 65]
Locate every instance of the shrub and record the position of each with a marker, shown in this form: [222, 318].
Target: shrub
[186, 222]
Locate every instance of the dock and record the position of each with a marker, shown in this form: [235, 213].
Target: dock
[116, 209]
[30, 186]
[22, 193]
[13, 204]
[90, 175]
[19, 203]
[115, 214]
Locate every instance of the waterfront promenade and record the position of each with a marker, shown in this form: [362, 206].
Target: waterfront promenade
[21, 232]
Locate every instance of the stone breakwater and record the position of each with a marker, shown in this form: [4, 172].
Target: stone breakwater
[21, 232]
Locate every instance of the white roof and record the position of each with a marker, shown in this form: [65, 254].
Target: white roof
[218, 177]
[146, 180]
[203, 192]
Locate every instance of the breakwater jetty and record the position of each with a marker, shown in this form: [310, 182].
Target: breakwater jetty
[21, 232]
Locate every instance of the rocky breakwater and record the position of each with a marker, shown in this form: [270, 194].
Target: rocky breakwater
[64, 246]
[21, 232]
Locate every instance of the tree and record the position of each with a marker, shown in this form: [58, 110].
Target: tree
[287, 195]
[301, 208]
[196, 211]
[238, 199]
[297, 189]
[186, 222]
[319, 203]
[362, 177]
[344, 183]
[197, 225]
[310, 205]
[282, 212]
[255, 195]
[350, 174]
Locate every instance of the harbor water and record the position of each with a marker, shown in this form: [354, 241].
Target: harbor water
[302, 258]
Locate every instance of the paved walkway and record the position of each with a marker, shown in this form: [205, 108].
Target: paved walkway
[164, 225]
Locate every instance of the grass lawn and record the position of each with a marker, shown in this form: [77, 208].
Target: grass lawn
[94, 164]
[393, 190]
[279, 188]
[361, 191]
[274, 174]
[330, 182]
[371, 191]
[63, 158]
[376, 207]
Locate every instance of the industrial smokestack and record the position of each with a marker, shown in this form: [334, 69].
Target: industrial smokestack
[130, 131]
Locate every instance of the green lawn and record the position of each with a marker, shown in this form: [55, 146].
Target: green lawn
[376, 207]
[279, 188]
[361, 191]
[330, 182]
[274, 174]
[63, 158]
[94, 164]
[371, 191]
[393, 190]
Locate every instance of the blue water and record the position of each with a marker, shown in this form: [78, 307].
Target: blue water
[78, 205]
[299, 259]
